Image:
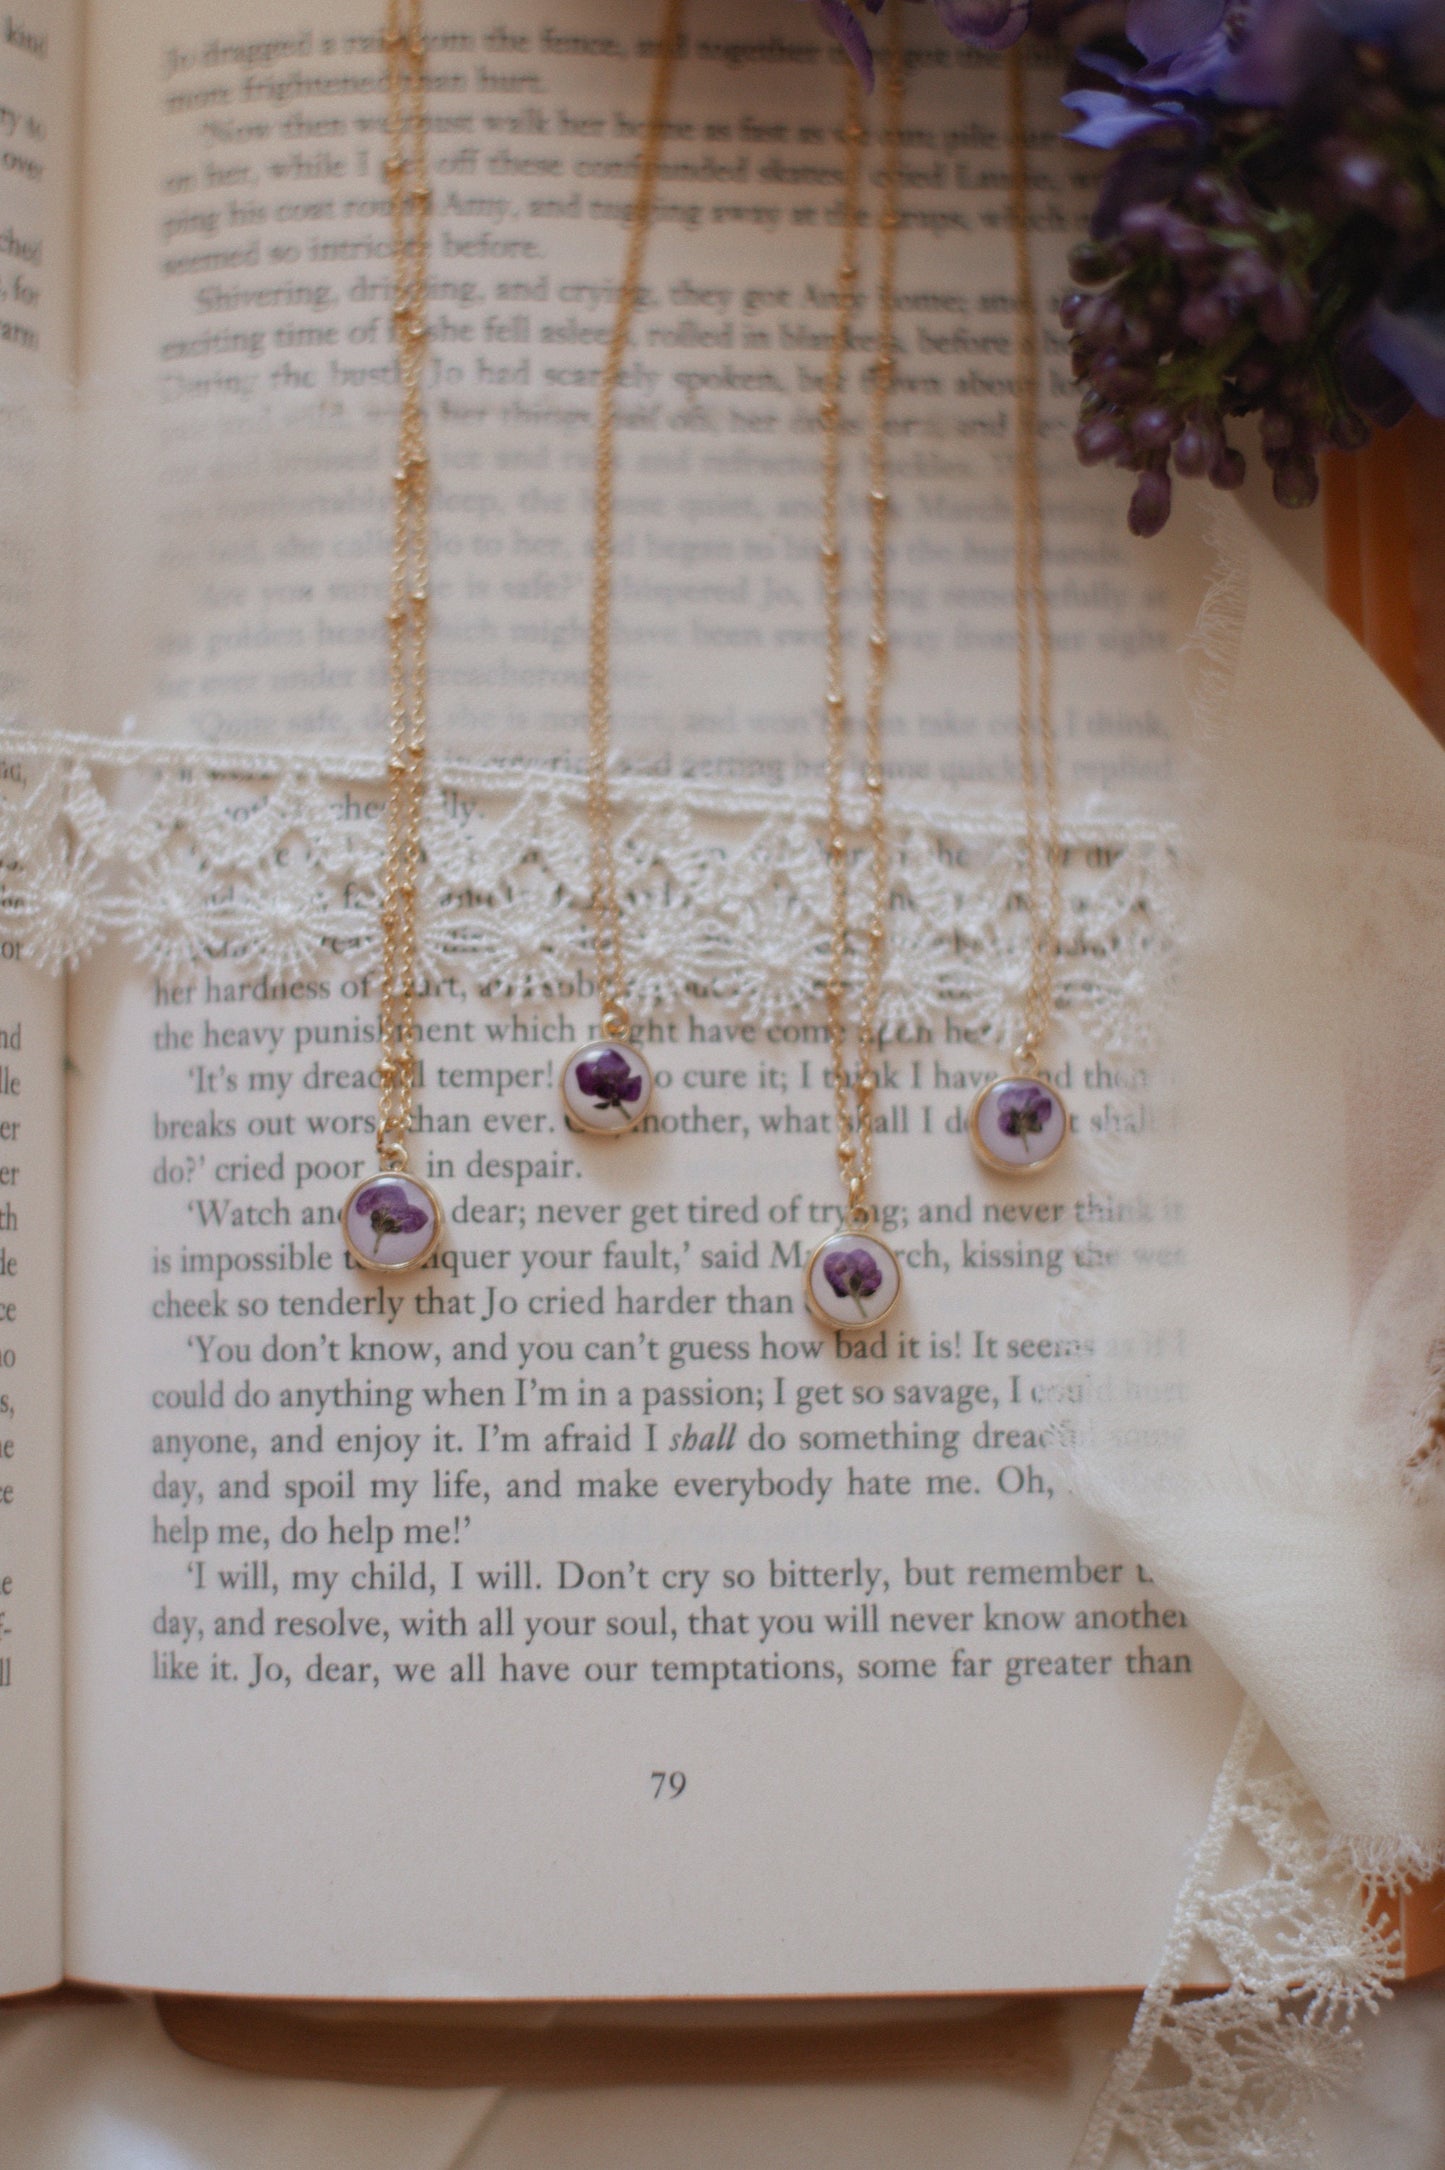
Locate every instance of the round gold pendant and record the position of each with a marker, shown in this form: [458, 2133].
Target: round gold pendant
[606, 1087]
[1018, 1125]
[852, 1282]
[391, 1222]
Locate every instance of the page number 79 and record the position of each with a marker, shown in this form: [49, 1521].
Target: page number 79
[667, 1785]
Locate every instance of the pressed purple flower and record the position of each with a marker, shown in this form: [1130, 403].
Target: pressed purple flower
[1024, 1111]
[609, 1079]
[390, 1210]
[853, 1273]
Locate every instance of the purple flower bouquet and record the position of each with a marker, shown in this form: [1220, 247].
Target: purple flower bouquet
[1269, 232]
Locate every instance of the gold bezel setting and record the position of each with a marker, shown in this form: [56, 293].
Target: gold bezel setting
[995, 1161]
[388, 1266]
[577, 1121]
[858, 1238]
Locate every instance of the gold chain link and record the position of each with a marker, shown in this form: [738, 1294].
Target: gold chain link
[407, 613]
[854, 1094]
[405, 167]
[1037, 758]
[607, 915]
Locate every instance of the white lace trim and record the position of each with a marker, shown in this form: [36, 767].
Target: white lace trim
[268, 864]
[1227, 2082]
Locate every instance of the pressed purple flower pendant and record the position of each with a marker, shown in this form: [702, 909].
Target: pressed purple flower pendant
[606, 1087]
[391, 1223]
[852, 1282]
[1018, 1125]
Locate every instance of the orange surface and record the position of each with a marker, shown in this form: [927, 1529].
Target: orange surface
[1384, 512]
[1421, 1914]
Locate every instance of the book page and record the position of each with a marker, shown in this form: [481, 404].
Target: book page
[581, 1619]
[37, 143]
[31, 1228]
[39, 53]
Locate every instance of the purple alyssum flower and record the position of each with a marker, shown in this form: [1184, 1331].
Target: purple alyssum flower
[853, 1273]
[609, 1079]
[390, 1210]
[1024, 1111]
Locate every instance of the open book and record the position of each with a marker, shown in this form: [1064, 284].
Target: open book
[580, 1620]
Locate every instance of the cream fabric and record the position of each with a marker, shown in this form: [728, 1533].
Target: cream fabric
[1259, 1424]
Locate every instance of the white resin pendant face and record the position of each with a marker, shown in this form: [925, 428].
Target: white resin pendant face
[391, 1223]
[852, 1282]
[606, 1087]
[1018, 1125]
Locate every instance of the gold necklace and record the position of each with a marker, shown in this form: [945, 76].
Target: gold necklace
[1019, 1123]
[607, 1085]
[392, 1222]
[853, 1279]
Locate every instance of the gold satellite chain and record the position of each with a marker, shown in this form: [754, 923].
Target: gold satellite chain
[405, 168]
[1038, 763]
[607, 915]
[854, 1093]
[410, 194]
